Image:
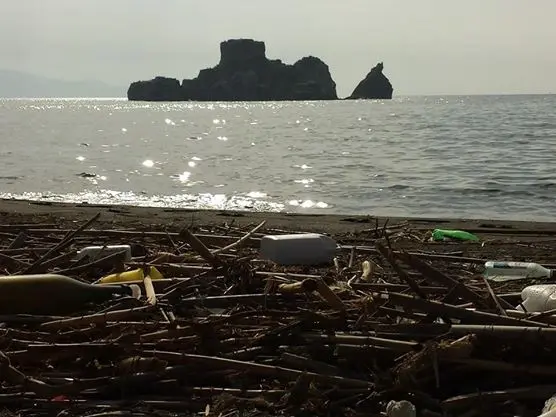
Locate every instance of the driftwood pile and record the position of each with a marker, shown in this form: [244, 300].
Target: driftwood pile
[227, 334]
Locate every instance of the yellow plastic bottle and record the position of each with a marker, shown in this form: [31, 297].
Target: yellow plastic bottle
[133, 275]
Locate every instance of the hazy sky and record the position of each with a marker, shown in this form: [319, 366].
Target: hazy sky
[428, 46]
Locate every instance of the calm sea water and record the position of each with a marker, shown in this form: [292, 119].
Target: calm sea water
[478, 156]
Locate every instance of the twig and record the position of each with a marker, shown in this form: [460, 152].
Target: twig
[94, 318]
[257, 369]
[241, 241]
[63, 243]
[201, 249]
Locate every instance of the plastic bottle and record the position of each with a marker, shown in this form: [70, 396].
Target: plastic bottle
[508, 271]
[441, 234]
[133, 275]
[298, 249]
[96, 252]
[53, 294]
[538, 298]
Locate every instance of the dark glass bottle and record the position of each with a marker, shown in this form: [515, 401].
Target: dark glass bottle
[52, 294]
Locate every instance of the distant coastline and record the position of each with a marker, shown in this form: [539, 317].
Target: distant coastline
[19, 84]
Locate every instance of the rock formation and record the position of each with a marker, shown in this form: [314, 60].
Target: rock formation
[374, 86]
[244, 74]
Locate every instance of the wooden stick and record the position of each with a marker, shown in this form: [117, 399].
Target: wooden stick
[389, 256]
[201, 249]
[257, 369]
[465, 401]
[101, 261]
[331, 298]
[19, 241]
[63, 243]
[241, 240]
[472, 317]
[398, 345]
[432, 274]
[495, 299]
[94, 318]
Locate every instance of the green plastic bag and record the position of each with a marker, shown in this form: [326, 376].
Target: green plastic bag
[441, 234]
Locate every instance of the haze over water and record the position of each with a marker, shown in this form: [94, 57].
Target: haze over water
[452, 156]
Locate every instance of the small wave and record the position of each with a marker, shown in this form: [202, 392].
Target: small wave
[252, 201]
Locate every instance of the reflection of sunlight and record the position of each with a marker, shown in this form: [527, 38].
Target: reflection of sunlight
[305, 181]
[224, 138]
[184, 176]
[169, 122]
[80, 158]
[252, 201]
[307, 204]
[191, 164]
[148, 163]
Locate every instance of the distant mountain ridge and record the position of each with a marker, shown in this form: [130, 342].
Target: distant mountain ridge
[18, 84]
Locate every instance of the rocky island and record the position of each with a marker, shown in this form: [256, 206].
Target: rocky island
[374, 86]
[244, 73]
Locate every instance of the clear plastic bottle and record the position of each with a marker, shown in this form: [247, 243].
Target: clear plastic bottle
[298, 249]
[508, 271]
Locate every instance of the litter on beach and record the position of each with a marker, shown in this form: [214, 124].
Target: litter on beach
[202, 319]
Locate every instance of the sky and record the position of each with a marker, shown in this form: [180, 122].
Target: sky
[427, 46]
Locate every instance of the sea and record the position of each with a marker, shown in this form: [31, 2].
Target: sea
[490, 157]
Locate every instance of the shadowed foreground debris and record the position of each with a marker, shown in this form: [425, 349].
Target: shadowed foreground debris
[225, 333]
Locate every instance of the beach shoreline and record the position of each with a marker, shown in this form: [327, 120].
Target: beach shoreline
[153, 218]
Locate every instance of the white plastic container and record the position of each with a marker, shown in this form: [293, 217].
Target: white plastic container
[97, 252]
[298, 249]
[538, 298]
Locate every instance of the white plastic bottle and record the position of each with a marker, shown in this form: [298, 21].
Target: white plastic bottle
[538, 298]
[508, 271]
[97, 252]
[298, 249]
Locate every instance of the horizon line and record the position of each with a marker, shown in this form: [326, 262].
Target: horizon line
[339, 99]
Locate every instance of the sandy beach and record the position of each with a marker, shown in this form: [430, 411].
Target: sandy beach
[499, 240]
[155, 218]
[241, 319]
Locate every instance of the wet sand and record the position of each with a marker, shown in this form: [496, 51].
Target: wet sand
[156, 218]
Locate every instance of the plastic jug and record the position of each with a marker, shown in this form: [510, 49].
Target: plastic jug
[538, 298]
[97, 252]
[298, 249]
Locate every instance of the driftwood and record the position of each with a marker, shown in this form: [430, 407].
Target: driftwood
[224, 333]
